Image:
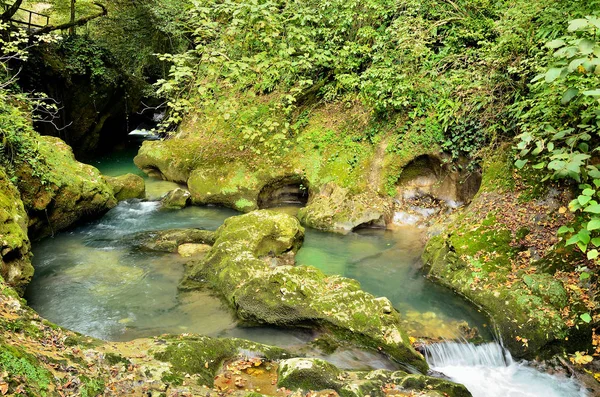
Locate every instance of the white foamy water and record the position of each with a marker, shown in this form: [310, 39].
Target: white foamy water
[488, 370]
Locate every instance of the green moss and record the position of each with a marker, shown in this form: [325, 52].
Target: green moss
[114, 359]
[239, 267]
[420, 382]
[91, 387]
[21, 365]
[204, 356]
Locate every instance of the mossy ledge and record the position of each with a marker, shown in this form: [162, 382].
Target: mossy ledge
[248, 266]
[503, 254]
[349, 180]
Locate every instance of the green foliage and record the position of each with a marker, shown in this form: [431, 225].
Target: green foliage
[445, 69]
[91, 387]
[560, 124]
[82, 56]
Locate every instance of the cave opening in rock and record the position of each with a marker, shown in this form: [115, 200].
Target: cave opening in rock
[433, 183]
[283, 192]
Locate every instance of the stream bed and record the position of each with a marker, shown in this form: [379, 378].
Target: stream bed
[92, 279]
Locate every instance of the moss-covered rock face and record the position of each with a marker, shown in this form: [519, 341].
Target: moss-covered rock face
[333, 162]
[170, 240]
[65, 191]
[496, 253]
[247, 267]
[15, 266]
[175, 199]
[128, 186]
[305, 374]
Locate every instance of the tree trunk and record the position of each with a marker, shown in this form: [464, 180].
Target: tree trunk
[72, 28]
[12, 10]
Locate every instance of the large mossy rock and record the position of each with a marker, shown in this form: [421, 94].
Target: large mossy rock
[65, 191]
[245, 267]
[335, 209]
[128, 186]
[502, 252]
[15, 266]
[338, 199]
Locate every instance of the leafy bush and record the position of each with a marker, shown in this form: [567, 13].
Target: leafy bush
[560, 124]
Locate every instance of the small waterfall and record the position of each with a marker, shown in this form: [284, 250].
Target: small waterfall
[467, 354]
[488, 370]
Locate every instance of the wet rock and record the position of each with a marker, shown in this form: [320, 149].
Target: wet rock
[290, 295]
[176, 199]
[305, 374]
[336, 209]
[204, 356]
[308, 374]
[128, 186]
[171, 240]
[15, 266]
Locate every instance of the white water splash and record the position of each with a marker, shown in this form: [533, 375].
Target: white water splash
[488, 370]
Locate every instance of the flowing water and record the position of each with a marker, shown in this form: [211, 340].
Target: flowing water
[93, 279]
[488, 370]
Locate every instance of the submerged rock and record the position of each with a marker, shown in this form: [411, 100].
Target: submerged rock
[190, 249]
[128, 186]
[294, 296]
[170, 240]
[176, 199]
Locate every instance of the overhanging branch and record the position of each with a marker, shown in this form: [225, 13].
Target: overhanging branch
[78, 22]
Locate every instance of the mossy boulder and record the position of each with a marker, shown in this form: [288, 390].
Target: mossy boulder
[172, 160]
[175, 199]
[245, 266]
[61, 191]
[306, 374]
[170, 240]
[204, 356]
[128, 186]
[15, 265]
[336, 209]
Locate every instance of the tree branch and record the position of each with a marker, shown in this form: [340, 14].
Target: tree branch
[79, 22]
[12, 10]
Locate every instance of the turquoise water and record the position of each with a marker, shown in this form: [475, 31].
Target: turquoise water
[387, 263]
[94, 280]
